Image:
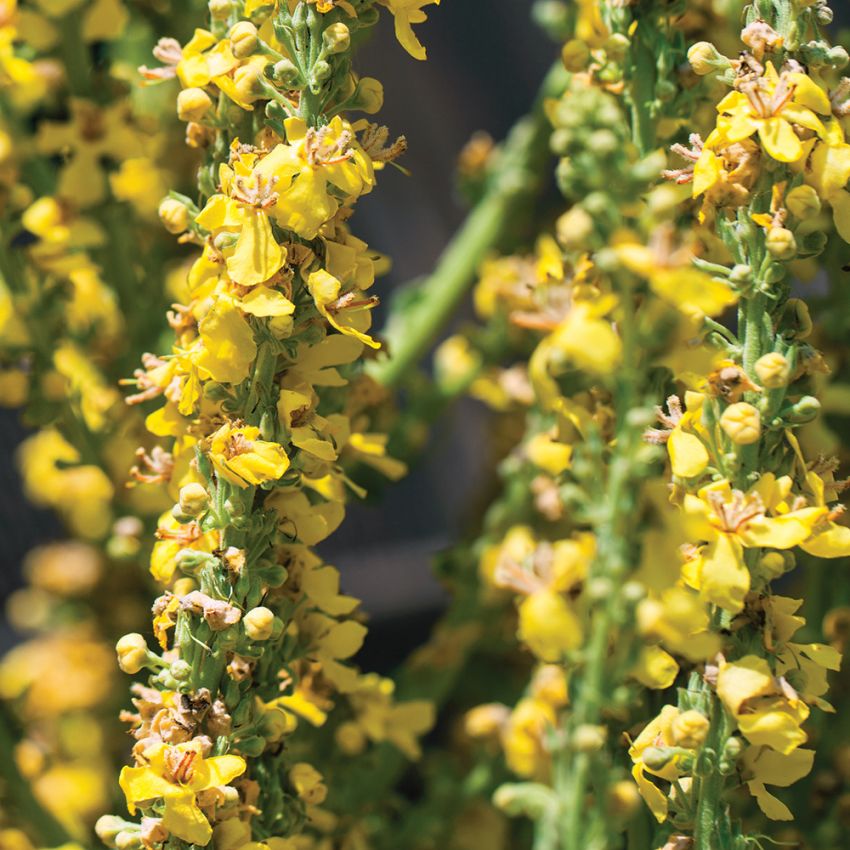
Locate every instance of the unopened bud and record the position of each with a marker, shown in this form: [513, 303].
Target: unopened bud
[247, 81]
[781, 244]
[220, 9]
[132, 651]
[174, 215]
[193, 104]
[705, 59]
[286, 74]
[805, 410]
[277, 724]
[243, 39]
[337, 38]
[370, 95]
[108, 827]
[624, 800]
[742, 423]
[772, 565]
[193, 499]
[574, 228]
[128, 840]
[588, 738]
[741, 274]
[690, 729]
[259, 623]
[657, 758]
[321, 71]
[803, 202]
[575, 55]
[773, 370]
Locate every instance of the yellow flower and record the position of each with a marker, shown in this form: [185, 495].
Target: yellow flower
[348, 313]
[657, 733]
[730, 521]
[242, 459]
[673, 277]
[312, 173]
[548, 624]
[770, 105]
[253, 255]
[406, 13]
[227, 344]
[763, 766]
[827, 171]
[93, 134]
[768, 711]
[172, 537]
[175, 775]
[683, 434]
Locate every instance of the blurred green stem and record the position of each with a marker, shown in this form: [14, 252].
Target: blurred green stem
[442, 291]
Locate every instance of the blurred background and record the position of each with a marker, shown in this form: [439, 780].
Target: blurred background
[482, 74]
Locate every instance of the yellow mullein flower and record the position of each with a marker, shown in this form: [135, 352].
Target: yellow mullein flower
[176, 775]
[92, 134]
[767, 710]
[770, 105]
[827, 170]
[349, 313]
[303, 171]
[407, 13]
[683, 434]
[761, 766]
[204, 60]
[657, 733]
[242, 459]
[672, 276]
[173, 537]
[729, 521]
[227, 344]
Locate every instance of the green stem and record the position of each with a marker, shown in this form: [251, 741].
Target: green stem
[443, 291]
[711, 785]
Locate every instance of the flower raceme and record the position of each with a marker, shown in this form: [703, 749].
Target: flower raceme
[262, 403]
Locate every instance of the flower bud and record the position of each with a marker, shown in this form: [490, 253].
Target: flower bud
[741, 274]
[132, 651]
[128, 840]
[337, 38]
[193, 499]
[575, 55]
[657, 758]
[781, 244]
[370, 96]
[624, 800]
[193, 104]
[321, 71]
[803, 202]
[772, 565]
[705, 58]
[181, 670]
[276, 724]
[220, 9]
[531, 799]
[108, 827]
[690, 729]
[286, 74]
[773, 370]
[247, 82]
[588, 738]
[174, 215]
[574, 228]
[243, 39]
[805, 410]
[741, 423]
[259, 623]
